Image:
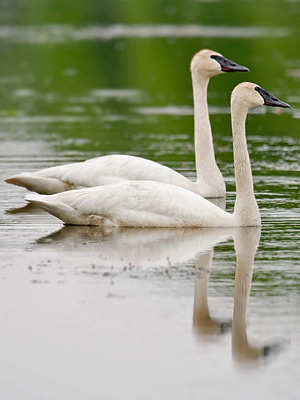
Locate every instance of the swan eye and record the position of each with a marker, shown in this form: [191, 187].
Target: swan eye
[215, 57]
[228, 65]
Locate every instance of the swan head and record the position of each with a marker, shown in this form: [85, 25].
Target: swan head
[249, 95]
[210, 63]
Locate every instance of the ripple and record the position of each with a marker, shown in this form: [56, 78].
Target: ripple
[43, 119]
[66, 33]
[185, 110]
[169, 110]
[120, 31]
[179, 110]
[116, 93]
[293, 73]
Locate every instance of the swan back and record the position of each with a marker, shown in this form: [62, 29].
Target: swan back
[133, 204]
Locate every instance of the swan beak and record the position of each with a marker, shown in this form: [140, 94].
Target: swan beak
[228, 65]
[270, 100]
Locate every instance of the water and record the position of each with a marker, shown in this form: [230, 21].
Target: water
[90, 313]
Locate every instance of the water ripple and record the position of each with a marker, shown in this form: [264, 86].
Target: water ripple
[66, 33]
[43, 119]
[185, 110]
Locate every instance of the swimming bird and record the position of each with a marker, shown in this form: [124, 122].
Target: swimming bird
[115, 168]
[157, 204]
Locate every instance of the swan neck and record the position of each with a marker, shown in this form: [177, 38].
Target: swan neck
[245, 209]
[204, 150]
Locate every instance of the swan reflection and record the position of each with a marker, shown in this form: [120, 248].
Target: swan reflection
[204, 325]
[246, 241]
[166, 247]
[25, 209]
[135, 246]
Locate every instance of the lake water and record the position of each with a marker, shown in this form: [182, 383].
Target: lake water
[147, 314]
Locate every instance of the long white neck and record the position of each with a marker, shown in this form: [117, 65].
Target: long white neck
[207, 169]
[245, 209]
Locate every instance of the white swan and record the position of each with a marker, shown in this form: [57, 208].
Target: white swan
[156, 204]
[115, 168]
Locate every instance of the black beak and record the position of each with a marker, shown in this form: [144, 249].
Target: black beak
[270, 100]
[228, 65]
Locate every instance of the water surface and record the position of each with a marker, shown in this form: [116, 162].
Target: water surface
[133, 313]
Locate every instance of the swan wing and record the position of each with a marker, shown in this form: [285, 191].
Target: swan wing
[98, 172]
[133, 204]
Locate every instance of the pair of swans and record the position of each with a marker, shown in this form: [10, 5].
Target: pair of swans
[115, 168]
[141, 193]
[157, 204]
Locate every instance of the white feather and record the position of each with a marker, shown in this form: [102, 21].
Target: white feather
[132, 204]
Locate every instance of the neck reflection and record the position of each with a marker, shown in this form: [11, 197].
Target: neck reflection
[166, 247]
[246, 241]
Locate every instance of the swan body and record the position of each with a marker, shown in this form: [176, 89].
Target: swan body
[157, 204]
[115, 168]
[99, 171]
[132, 204]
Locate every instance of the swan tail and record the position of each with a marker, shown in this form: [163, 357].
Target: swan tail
[39, 184]
[64, 212]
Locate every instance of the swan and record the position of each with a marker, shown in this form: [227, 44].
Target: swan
[115, 168]
[157, 204]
